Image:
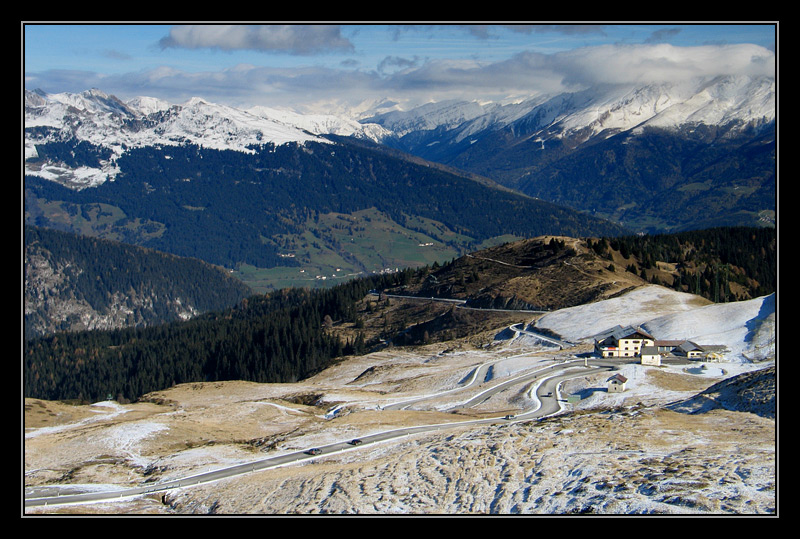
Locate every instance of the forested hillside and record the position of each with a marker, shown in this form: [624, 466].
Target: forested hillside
[279, 337]
[661, 181]
[229, 208]
[74, 282]
[720, 264]
[547, 273]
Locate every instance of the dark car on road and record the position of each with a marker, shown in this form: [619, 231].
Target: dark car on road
[356, 442]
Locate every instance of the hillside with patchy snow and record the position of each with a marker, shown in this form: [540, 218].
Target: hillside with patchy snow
[682, 439]
[746, 328]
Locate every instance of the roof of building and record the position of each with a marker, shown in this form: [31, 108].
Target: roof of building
[688, 346]
[619, 332]
[668, 343]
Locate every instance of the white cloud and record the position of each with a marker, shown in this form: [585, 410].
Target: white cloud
[623, 64]
[524, 74]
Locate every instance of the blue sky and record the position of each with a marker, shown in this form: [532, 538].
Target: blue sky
[311, 67]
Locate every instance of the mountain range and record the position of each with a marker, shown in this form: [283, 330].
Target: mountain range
[597, 112]
[237, 191]
[651, 157]
[220, 183]
[115, 127]
[437, 131]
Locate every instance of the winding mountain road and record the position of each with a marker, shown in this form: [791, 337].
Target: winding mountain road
[547, 380]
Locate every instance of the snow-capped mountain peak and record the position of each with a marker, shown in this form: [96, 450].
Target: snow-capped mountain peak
[107, 122]
[149, 105]
[609, 108]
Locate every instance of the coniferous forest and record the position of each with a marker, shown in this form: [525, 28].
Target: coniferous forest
[278, 337]
[224, 207]
[95, 271]
[708, 261]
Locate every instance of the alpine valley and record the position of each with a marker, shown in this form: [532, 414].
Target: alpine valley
[290, 199]
[434, 313]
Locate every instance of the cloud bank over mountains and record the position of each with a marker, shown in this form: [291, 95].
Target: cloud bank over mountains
[335, 74]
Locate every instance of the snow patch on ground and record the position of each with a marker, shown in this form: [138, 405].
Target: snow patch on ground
[128, 438]
[747, 328]
[640, 387]
[106, 410]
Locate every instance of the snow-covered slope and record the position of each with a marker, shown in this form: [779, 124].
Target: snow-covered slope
[719, 101]
[108, 123]
[446, 114]
[321, 123]
[746, 328]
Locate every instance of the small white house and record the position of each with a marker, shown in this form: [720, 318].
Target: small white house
[650, 356]
[616, 384]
